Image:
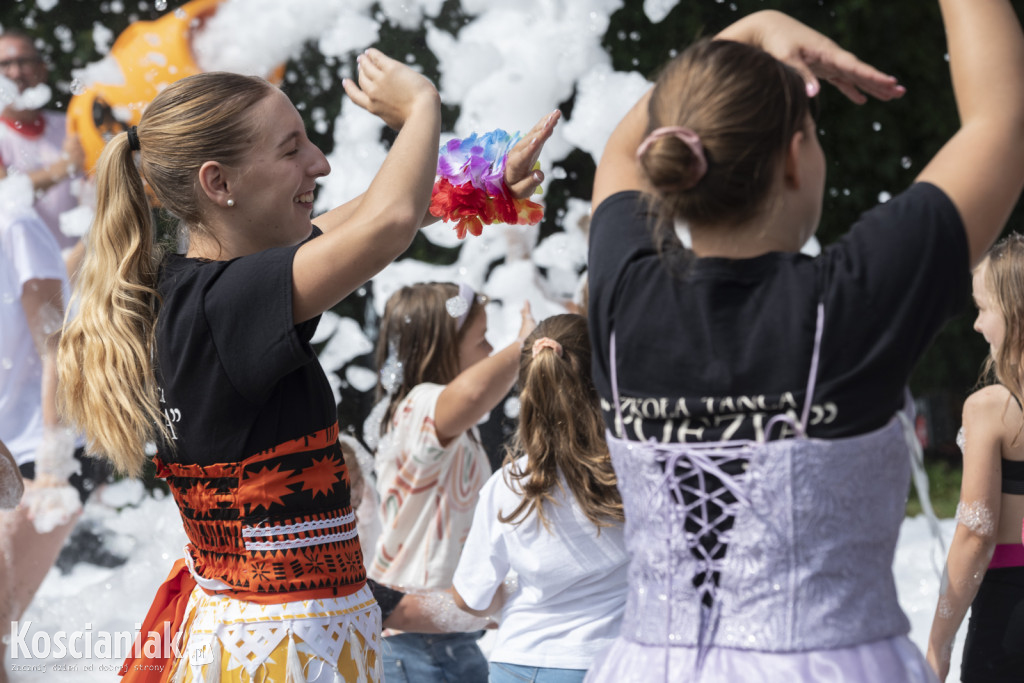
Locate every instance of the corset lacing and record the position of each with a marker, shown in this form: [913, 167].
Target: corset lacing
[707, 482]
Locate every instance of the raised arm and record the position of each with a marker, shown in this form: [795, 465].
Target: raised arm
[478, 389]
[974, 540]
[618, 170]
[520, 175]
[813, 55]
[981, 168]
[41, 300]
[358, 244]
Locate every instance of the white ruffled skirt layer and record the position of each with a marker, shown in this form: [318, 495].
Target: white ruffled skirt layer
[894, 660]
[327, 640]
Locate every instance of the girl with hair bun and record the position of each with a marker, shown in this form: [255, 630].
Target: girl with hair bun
[985, 568]
[755, 397]
[552, 516]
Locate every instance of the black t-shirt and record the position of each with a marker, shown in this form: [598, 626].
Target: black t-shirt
[237, 376]
[712, 350]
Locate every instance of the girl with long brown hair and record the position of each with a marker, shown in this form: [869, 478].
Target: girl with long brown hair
[985, 567]
[439, 378]
[553, 516]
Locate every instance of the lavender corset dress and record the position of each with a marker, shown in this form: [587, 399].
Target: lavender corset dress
[764, 561]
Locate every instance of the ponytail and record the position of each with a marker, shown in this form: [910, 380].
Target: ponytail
[107, 382]
[105, 359]
[560, 427]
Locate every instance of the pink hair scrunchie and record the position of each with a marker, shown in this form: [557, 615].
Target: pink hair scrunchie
[689, 138]
[545, 343]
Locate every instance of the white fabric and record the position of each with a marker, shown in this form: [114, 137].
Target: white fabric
[892, 660]
[572, 579]
[27, 252]
[249, 632]
[21, 154]
[428, 494]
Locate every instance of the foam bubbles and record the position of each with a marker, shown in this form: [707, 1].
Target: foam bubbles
[976, 517]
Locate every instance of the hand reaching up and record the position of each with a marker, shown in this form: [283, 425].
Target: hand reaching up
[389, 89]
[520, 176]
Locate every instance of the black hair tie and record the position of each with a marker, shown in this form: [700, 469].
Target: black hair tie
[133, 139]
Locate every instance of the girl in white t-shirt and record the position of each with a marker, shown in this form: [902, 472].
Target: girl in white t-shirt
[440, 379]
[550, 522]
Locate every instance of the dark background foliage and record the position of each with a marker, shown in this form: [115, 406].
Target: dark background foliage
[873, 150]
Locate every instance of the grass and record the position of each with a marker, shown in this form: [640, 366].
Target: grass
[944, 489]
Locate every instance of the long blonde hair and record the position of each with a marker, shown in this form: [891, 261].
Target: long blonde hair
[560, 428]
[1004, 276]
[418, 333]
[105, 359]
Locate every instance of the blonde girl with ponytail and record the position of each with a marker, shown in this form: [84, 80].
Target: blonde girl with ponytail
[207, 355]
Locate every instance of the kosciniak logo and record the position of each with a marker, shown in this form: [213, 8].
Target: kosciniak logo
[88, 643]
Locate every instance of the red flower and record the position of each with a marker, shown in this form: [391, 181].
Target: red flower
[470, 223]
[451, 202]
[473, 208]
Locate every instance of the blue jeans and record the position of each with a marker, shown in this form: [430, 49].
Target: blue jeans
[434, 658]
[503, 672]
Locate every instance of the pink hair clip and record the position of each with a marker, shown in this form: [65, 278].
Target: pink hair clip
[545, 343]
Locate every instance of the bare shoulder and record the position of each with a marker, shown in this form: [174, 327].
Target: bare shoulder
[991, 398]
[993, 411]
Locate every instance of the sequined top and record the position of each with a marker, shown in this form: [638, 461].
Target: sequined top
[776, 546]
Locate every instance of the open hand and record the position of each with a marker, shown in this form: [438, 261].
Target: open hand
[520, 176]
[389, 88]
[814, 56]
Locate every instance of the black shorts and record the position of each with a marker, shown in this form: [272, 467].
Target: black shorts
[94, 473]
[994, 648]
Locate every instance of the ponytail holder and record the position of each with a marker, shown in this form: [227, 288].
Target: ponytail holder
[133, 138]
[689, 138]
[546, 343]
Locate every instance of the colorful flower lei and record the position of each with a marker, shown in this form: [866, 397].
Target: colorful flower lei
[471, 185]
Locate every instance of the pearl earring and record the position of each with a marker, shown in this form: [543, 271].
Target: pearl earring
[231, 202]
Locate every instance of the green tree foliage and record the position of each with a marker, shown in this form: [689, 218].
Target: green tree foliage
[874, 150]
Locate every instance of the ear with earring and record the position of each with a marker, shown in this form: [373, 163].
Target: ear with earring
[231, 202]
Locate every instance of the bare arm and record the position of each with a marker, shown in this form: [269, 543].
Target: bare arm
[978, 515]
[479, 388]
[981, 168]
[70, 163]
[434, 611]
[11, 484]
[357, 244]
[496, 603]
[786, 39]
[42, 303]
[618, 170]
